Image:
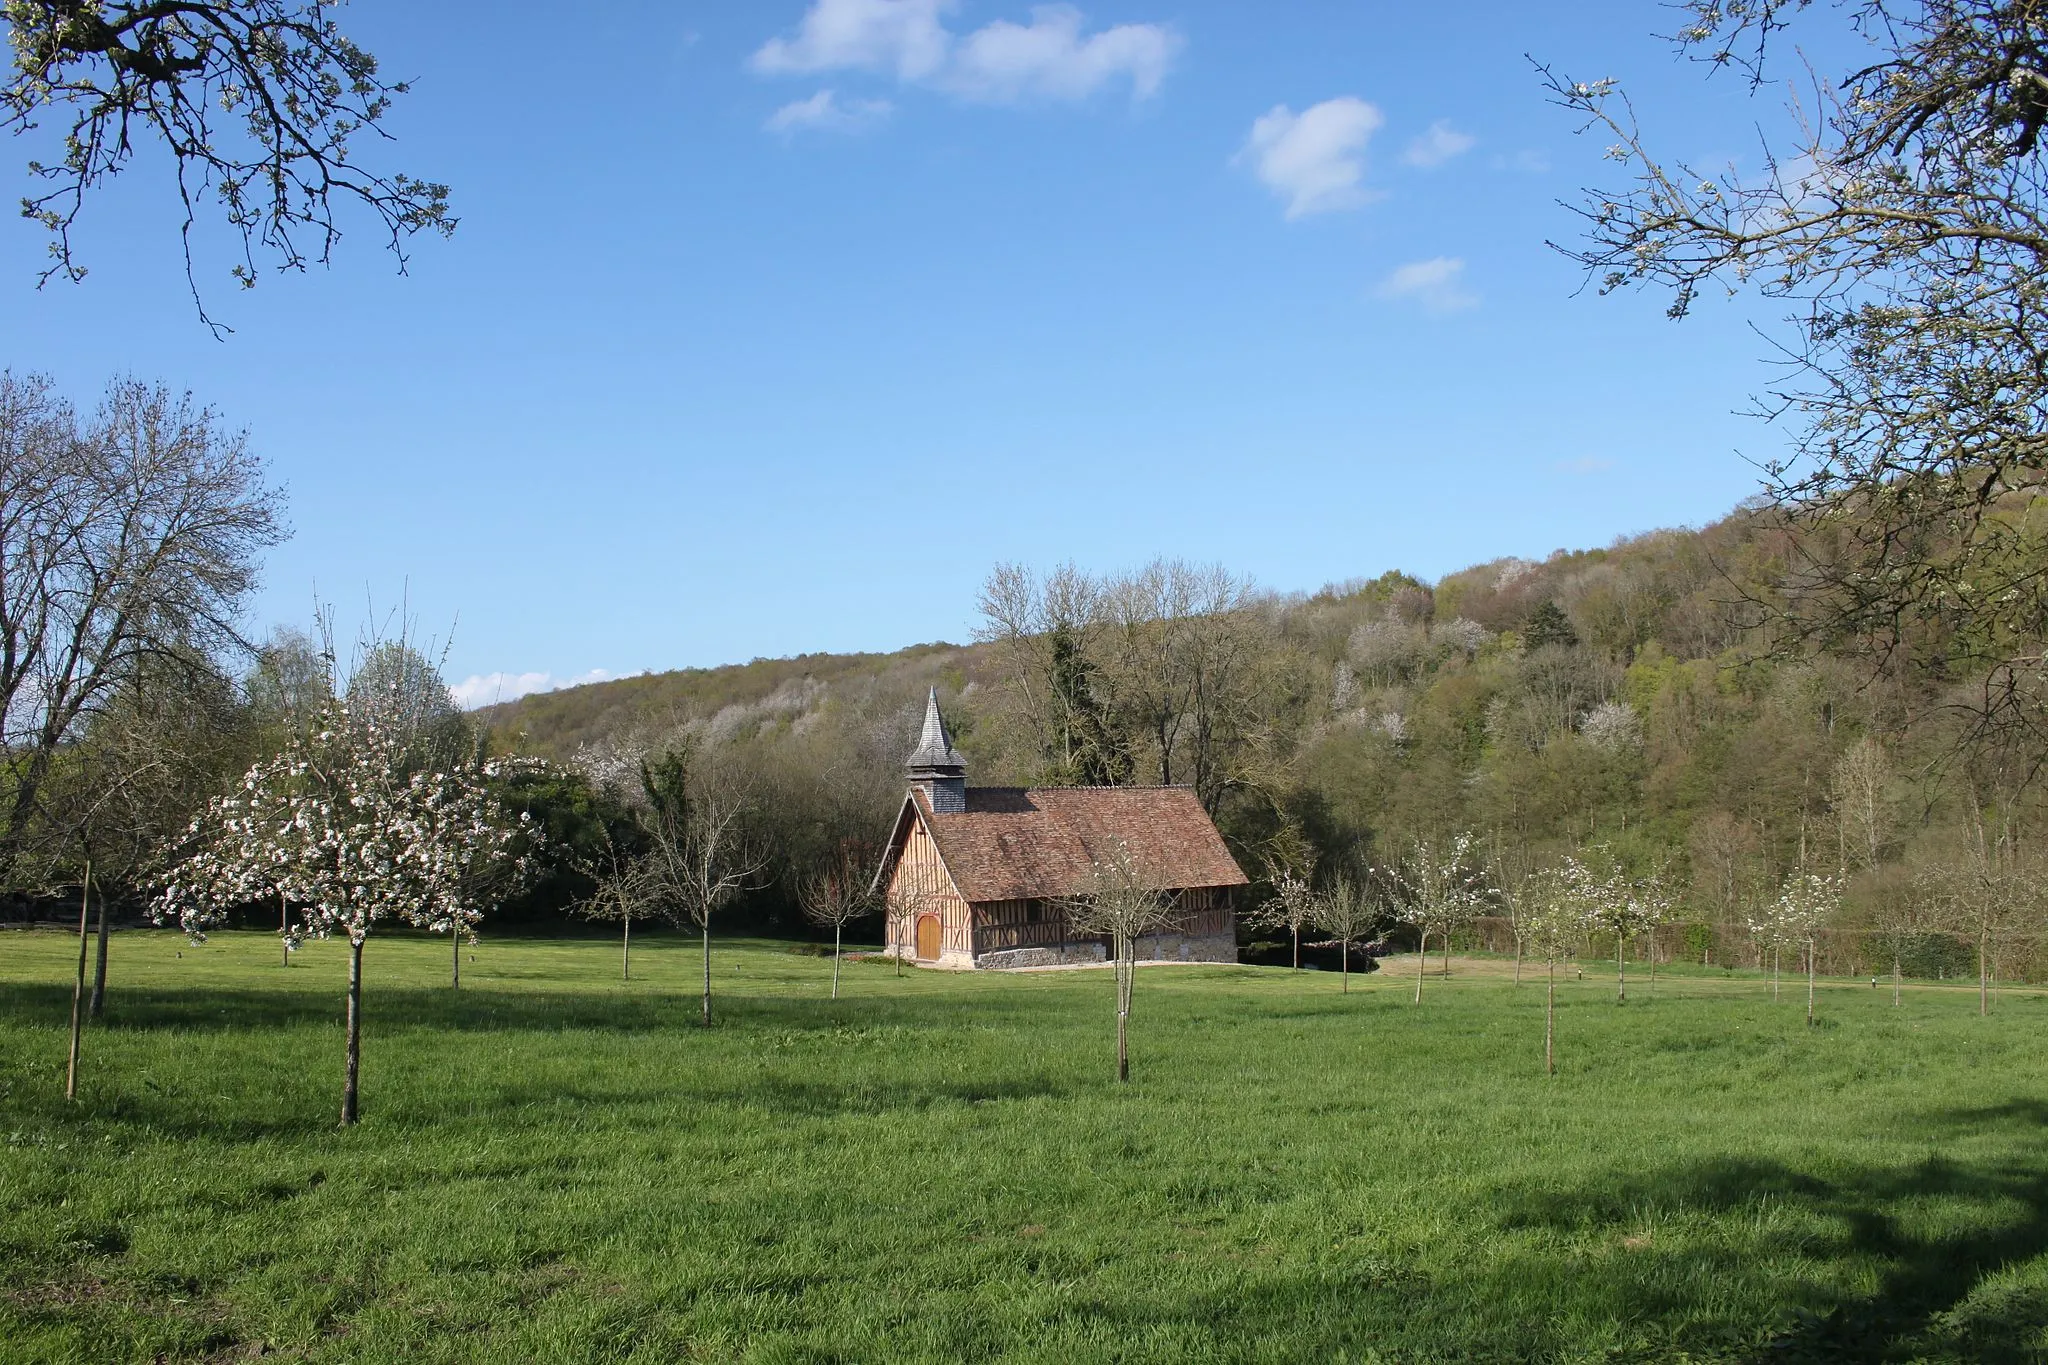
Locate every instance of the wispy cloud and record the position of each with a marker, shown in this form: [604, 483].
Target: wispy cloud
[1438, 145]
[484, 689]
[1438, 284]
[1051, 57]
[1528, 161]
[824, 112]
[1585, 464]
[1315, 160]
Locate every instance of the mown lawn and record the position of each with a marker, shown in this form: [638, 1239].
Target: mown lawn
[554, 1166]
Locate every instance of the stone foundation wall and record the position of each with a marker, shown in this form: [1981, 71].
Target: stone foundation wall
[1188, 948]
[1007, 958]
[1152, 948]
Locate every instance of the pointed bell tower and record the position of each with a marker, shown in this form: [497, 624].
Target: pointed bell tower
[935, 767]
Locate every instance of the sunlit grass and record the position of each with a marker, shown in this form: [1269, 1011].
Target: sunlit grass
[556, 1165]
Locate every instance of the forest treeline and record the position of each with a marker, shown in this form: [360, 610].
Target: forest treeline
[1647, 700]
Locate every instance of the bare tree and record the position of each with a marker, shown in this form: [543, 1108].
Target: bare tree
[128, 540]
[1349, 913]
[835, 898]
[701, 854]
[1859, 789]
[1121, 903]
[623, 889]
[257, 103]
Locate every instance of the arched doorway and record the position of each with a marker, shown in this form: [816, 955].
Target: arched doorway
[929, 938]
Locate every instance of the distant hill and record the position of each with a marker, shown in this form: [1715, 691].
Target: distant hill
[556, 724]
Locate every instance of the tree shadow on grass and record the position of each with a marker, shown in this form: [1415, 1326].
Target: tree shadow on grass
[1956, 1249]
[1943, 1236]
[469, 1010]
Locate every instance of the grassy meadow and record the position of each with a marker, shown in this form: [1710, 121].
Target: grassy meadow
[557, 1166]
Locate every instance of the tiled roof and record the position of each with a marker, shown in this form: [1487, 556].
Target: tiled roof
[1015, 843]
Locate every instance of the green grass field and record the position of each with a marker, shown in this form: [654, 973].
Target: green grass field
[554, 1166]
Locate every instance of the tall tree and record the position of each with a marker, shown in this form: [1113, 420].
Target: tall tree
[1903, 214]
[129, 542]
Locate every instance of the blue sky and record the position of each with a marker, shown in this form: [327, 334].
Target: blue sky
[771, 327]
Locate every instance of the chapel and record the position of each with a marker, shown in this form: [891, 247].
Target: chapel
[978, 877]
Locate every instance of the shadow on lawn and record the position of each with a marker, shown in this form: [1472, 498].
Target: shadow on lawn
[469, 1010]
[1936, 1234]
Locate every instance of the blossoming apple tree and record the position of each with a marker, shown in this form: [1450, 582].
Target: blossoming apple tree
[347, 827]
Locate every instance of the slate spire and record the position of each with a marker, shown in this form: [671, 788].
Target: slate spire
[935, 766]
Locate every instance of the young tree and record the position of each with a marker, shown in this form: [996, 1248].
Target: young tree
[1990, 891]
[1511, 875]
[1655, 907]
[1348, 913]
[1904, 920]
[1768, 931]
[1808, 904]
[1553, 907]
[256, 103]
[623, 888]
[1434, 888]
[340, 825]
[1120, 903]
[835, 898]
[1613, 906]
[1293, 908]
[700, 853]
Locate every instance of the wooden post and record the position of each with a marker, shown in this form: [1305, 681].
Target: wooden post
[707, 971]
[1809, 982]
[352, 1067]
[1550, 1021]
[99, 970]
[1421, 957]
[1123, 1008]
[78, 988]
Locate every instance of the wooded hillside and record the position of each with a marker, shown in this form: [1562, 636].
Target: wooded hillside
[1638, 699]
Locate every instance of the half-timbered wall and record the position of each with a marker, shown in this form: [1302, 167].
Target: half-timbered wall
[920, 885]
[1003, 925]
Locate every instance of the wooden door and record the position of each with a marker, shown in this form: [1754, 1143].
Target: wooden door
[928, 938]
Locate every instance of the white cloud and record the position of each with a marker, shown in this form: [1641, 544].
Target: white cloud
[1001, 62]
[1315, 160]
[1048, 57]
[870, 35]
[1438, 145]
[1438, 284]
[824, 113]
[484, 689]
